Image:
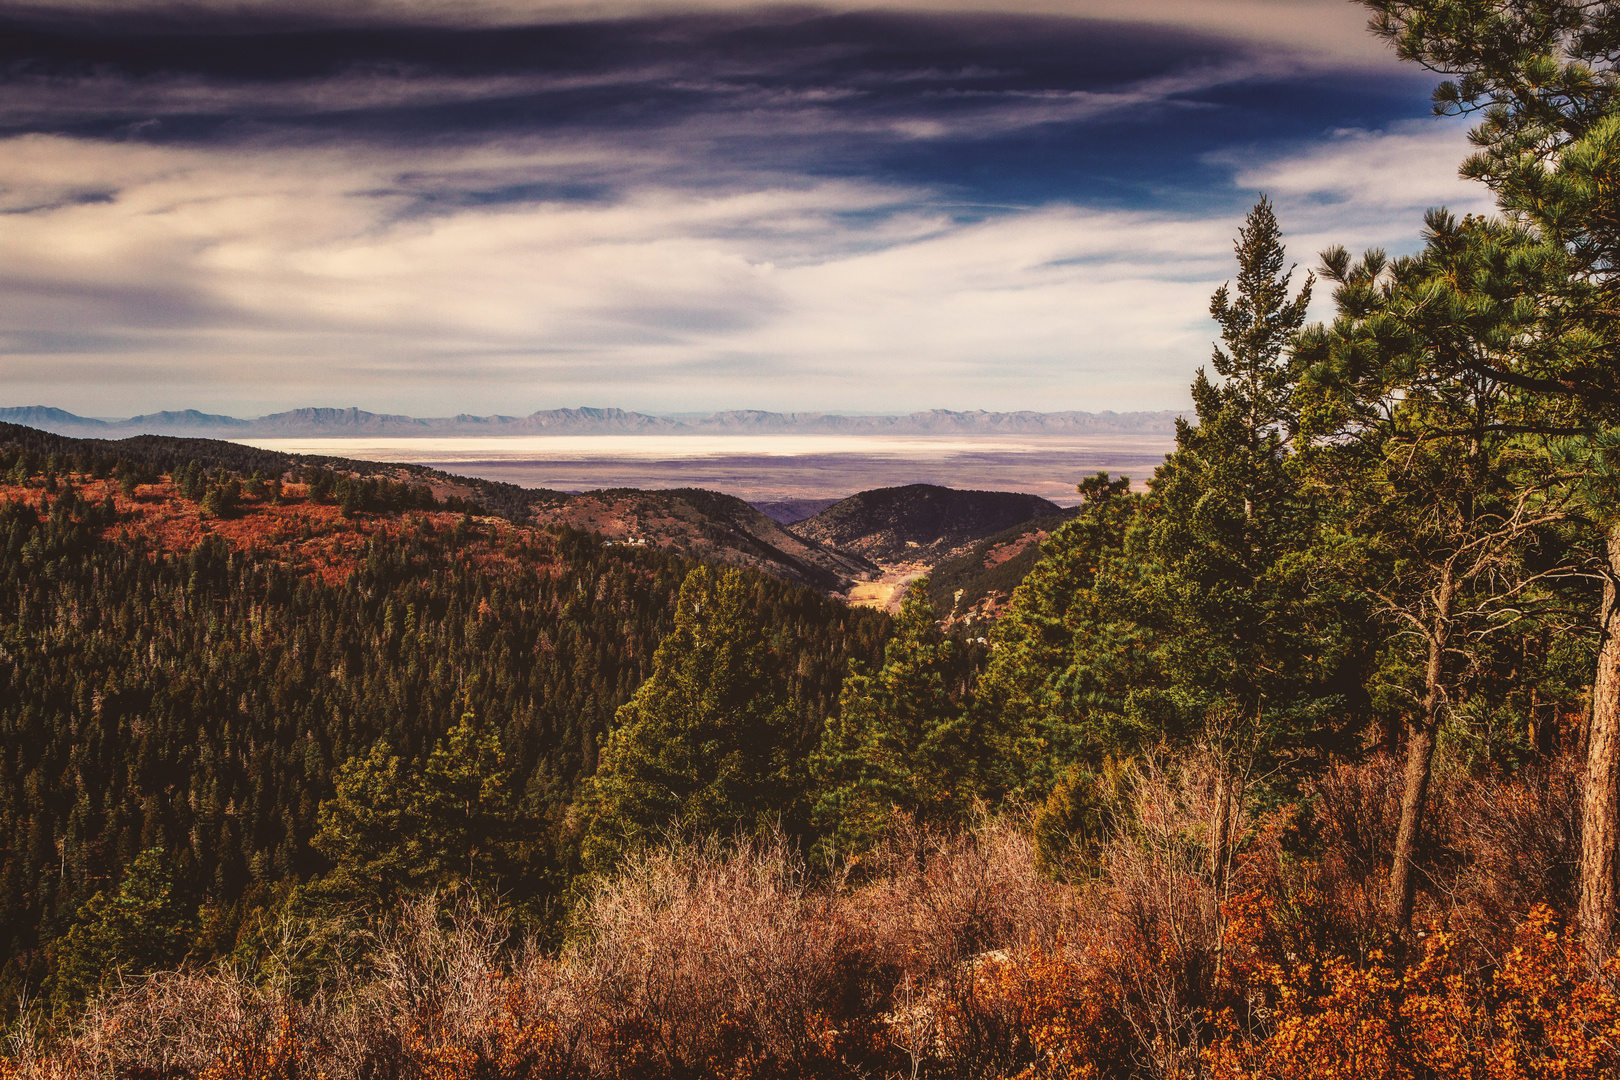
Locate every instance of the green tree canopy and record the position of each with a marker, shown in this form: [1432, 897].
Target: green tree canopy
[389, 829]
[1197, 613]
[899, 742]
[708, 742]
[1443, 463]
[1039, 698]
[140, 927]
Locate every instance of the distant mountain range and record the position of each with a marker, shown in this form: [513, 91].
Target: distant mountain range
[357, 422]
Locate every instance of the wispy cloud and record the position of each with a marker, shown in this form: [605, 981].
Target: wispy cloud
[300, 266]
[1328, 30]
[1409, 166]
[728, 208]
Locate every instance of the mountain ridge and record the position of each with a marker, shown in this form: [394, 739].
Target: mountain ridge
[355, 422]
[918, 523]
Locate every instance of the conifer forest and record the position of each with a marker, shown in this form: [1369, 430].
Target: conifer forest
[1301, 761]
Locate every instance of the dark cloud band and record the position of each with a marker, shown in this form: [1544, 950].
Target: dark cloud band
[999, 109]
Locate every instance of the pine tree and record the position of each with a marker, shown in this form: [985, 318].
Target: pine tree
[1200, 614]
[1038, 700]
[706, 742]
[365, 830]
[1253, 659]
[141, 927]
[1447, 475]
[899, 743]
[1545, 77]
[469, 824]
[390, 830]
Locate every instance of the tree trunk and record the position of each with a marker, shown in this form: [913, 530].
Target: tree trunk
[1420, 759]
[1600, 792]
[1220, 832]
[1227, 794]
[1533, 735]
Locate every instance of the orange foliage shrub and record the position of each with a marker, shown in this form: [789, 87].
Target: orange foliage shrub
[1067, 1015]
[314, 538]
[1536, 1013]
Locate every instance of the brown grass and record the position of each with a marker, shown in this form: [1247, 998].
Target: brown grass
[951, 955]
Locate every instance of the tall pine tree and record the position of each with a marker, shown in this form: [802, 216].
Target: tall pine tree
[1544, 76]
[1254, 659]
[707, 742]
[899, 743]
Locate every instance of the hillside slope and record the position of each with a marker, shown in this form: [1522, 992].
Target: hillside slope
[703, 525]
[711, 527]
[919, 523]
[187, 674]
[792, 511]
[974, 587]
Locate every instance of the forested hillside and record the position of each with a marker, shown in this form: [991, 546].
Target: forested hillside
[187, 666]
[918, 522]
[975, 586]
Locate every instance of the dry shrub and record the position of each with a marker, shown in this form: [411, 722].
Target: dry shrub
[933, 899]
[1519, 839]
[213, 1025]
[950, 955]
[441, 999]
[1161, 944]
[1492, 846]
[697, 956]
[1356, 813]
[1004, 972]
[444, 997]
[944, 914]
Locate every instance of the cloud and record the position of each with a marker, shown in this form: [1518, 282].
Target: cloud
[1364, 189]
[1328, 31]
[273, 274]
[1410, 166]
[803, 73]
[250, 207]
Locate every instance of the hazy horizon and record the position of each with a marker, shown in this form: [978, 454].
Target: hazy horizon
[519, 414]
[760, 468]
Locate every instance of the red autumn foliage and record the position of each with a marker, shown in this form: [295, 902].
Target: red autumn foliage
[314, 538]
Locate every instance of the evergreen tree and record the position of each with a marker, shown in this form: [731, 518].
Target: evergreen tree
[389, 829]
[1446, 471]
[366, 828]
[141, 927]
[1545, 75]
[469, 826]
[1199, 614]
[706, 743]
[1253, 658]
[1038, 699]
[899, 743]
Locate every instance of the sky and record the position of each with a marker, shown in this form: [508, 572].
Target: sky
[435, 207]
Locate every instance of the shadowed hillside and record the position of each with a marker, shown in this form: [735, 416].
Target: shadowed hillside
[711, 527]
[976, 585]
[919, 522]
[792, 511]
